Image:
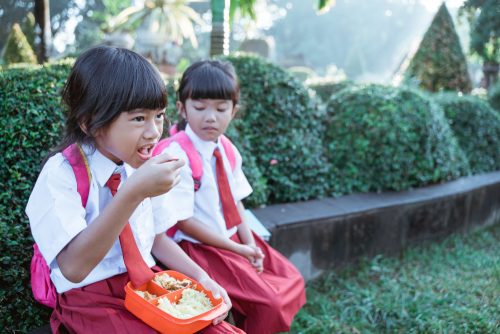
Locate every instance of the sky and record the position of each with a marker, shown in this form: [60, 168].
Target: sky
[433, 5]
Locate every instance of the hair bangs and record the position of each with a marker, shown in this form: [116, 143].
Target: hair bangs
[209, 80]
[146, 90]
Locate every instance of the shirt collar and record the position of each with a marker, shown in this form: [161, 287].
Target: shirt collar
[102, 168]
[205, 148]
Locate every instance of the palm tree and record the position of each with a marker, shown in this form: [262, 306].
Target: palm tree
[169, 19]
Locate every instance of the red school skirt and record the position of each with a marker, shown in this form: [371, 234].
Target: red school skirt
[99, 308]
[262, 303]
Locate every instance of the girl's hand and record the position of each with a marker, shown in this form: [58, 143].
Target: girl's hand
[157, 176]
[218, 292]
[258, 262]
[253, 254]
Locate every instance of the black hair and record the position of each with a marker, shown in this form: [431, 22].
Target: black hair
[104, 82]
[208, 79]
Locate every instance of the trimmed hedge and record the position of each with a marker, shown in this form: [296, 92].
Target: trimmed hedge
[386, 138]
[282, 127]
[31, 123]
[477, 128]
[252, 171]
[17, 48]
[439, 63]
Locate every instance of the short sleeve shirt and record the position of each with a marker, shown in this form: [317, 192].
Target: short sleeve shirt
[56, 215]
[204, 204]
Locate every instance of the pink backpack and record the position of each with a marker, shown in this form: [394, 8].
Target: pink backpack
[195, 162]
[43, 289]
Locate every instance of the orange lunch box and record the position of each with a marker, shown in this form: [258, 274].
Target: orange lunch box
[148, 311]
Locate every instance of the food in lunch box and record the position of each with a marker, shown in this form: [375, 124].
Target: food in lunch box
[145, 294]
[192, 303]
[170, 283]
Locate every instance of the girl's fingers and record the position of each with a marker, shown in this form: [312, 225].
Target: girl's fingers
[164, 157]
[173, 165]
[225, 297]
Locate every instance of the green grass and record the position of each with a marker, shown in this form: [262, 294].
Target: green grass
[449, 287]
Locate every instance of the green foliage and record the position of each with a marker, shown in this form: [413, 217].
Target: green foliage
[450, 287]
[439, 63]
[326, 89]
[385, 138]
[252, 171]
[171, 110]
[494, 96]
[246, 8]
[282, 126]
[28, 28]
[485, 28]
[17, 49]
[31, 124]
[477, 128]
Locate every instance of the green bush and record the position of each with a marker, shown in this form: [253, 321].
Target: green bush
[477, 128]
[326, 89]
[28, 28]
[385, 138]
[31, 123]
[439, 63]
[251, 169]
[282, 126]
[17, 48]
[494, 96]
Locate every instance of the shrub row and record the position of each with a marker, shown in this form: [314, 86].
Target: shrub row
[281, 125]
[385, 138]
[31, 123]
[477, 128]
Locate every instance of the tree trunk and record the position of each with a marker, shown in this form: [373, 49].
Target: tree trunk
[42, 19]
[219, 37]
[490, 73]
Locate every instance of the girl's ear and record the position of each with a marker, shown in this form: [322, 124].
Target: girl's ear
[236, 108]
[180, 109]
[83, 127]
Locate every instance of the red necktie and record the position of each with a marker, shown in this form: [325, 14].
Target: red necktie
[231, 214]
[137, 268]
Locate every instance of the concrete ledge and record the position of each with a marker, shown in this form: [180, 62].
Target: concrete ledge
[323, 234]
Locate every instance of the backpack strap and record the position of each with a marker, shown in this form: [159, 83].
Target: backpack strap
[195, 161]
[187, 146]
[173, 129]
[42, 287]
[228, 149]
[80, 165]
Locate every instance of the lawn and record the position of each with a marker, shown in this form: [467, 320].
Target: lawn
[447, 287]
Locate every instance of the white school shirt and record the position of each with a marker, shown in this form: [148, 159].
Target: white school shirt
[56, 215]
[204, 204]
